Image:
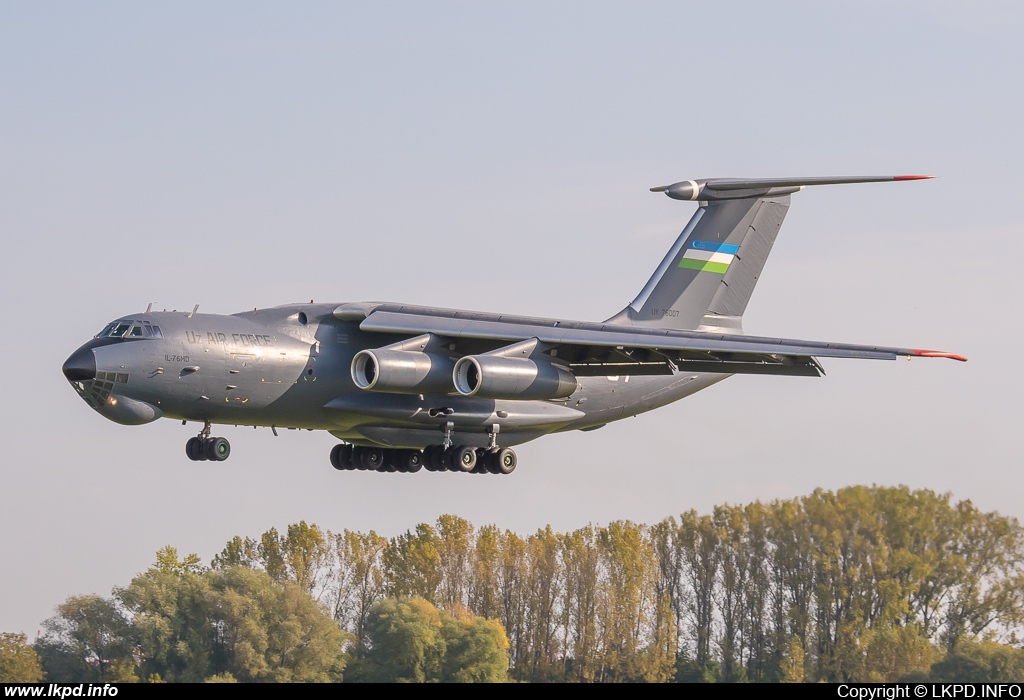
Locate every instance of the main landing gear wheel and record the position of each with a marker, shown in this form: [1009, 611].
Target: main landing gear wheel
[428, 458]
[438, 458]
[433, 458]
[410, 461]
[502, 461]
[462, 458]
[371, 458]
[341, 457]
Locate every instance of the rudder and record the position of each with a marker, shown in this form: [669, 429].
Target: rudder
[707, 277]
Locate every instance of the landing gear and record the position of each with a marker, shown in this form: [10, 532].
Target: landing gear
[504, 460]
[434, 458]
[203, 447]
[371, 458]
[341, 457]
[462, 459]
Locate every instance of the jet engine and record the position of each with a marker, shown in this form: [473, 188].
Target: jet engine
[494, 377]
[402, 371]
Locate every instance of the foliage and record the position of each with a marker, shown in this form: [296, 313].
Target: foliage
[19, 662]
[84, 640]
[410, 640]
[868, 584]
[985, 662]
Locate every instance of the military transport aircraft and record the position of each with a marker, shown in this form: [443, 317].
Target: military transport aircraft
[409, 387]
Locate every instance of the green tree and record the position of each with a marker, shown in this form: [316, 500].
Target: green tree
[173, 625]
[700, 553]
[627, 560]
[581, 562]
[19, 662]
[792, 666]
[359, 580]
[484, 587]
[515, 599]
[410, 640]
[455, 550]
[476, 649]
[83, 640]
[889, 653]
[544, 590]
[412, 564]
[985, 662]
[404, 642]
[269, 631]
[237, 552]
[307, 556]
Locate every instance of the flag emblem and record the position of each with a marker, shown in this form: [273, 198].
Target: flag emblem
[708, 256]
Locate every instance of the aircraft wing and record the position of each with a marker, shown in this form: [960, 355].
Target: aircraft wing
[601, 349]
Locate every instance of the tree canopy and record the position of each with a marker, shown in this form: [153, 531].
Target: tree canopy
[862, 584]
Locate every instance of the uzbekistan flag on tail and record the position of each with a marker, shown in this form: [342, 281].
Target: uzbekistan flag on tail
[708, 256]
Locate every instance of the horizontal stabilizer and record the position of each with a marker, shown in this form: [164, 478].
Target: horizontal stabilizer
[741, 188]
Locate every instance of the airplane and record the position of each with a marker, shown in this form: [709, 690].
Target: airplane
[408, 387]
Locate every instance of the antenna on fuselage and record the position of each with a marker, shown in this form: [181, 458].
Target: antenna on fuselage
[193, 313]
[149, 308]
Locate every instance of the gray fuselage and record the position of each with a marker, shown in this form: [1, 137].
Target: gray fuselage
[289, 367]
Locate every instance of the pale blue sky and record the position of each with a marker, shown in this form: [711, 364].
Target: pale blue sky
[498, 158]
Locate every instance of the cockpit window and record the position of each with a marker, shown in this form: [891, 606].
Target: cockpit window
[116, 329]
[130, 329]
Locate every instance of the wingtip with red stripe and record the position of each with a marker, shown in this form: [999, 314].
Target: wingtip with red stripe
[914, 177]
[939, 353]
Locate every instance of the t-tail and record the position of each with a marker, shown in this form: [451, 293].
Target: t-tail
[709, 273]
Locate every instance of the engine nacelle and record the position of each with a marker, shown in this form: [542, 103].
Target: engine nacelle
[490, 377]
[402, 372]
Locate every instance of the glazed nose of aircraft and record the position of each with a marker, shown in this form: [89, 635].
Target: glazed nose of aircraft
[81, 365]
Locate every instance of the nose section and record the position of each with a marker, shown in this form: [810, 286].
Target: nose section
[81, 365]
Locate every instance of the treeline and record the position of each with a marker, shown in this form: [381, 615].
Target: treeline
[864, 584]
[867, 583]
[183, 622]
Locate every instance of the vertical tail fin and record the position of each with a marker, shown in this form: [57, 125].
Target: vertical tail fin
[709, 273]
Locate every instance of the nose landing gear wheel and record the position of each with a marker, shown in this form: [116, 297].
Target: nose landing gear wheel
[217, 449]
[194, 449]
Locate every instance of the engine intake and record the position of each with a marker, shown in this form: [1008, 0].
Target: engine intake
[402, 372]
[490, 377]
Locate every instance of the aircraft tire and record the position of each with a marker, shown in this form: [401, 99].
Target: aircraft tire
[464, 458]
[192, 449]
[372, 458]
[490, 460]
[217, 449]
[393, 459]
[448, 454]
[438, 458]
[412, 460]
[336, 460]
[357, 458]
[506, 460]
[345, 458]
[481, 461]
[428, 460]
